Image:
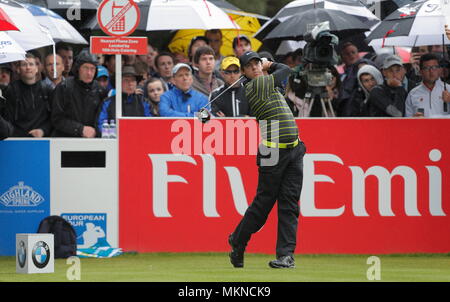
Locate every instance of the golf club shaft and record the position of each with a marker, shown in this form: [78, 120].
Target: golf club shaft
[229, 87]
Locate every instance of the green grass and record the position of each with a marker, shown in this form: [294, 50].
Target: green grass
[215, 267]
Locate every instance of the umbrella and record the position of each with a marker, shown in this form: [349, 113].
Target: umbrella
[186, 14]
[65, 4]
[411, 41]
[5, 22]
[415, 24]
[10, 50]
[30, 35]
[76, 12]
[296, 26]
[246, 25]
[59, 28]
[383, 8]
[232, 9]
[351, 7]
[288, 46]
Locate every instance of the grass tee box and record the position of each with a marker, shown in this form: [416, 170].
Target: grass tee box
[215, 267]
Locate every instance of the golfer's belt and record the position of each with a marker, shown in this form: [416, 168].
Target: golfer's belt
[280, 145]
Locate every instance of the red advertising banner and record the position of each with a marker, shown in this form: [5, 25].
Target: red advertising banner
[119, 46]
[371, 186]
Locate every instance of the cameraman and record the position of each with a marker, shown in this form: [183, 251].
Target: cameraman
[316, 80]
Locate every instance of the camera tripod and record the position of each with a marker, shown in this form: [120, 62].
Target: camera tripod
[322, 93]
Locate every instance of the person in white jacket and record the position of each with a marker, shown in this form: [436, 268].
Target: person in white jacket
[432, 97]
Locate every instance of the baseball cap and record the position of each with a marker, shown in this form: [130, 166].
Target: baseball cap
[248, 56]
[177, 67]
[391, 61]
[240, 37]
[102, 72]
[228, 61]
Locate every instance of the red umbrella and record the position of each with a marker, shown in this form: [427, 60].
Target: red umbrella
[5, 22]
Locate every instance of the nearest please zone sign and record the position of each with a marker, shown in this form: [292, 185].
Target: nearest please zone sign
[118, 19]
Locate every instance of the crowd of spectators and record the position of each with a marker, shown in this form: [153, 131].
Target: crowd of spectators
[70, 95]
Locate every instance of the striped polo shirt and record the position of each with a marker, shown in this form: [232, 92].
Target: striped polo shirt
[273, 114]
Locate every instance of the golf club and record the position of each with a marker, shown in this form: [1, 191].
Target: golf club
[204, 115]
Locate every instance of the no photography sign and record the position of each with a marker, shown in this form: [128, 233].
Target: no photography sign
[118, 17]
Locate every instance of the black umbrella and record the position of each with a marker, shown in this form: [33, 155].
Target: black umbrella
[384, 8]
[353, 7]
[296, 26]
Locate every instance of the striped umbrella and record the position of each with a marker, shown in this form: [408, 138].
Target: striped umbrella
[415, 24]
[5, 22]
[30, 35]
[59, 28]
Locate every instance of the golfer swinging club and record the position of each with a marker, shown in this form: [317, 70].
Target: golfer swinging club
[277, 181]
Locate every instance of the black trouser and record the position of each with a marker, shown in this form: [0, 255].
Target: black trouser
[282, 182]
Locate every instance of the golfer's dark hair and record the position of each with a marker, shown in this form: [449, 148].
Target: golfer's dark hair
[428, 57]
[164, 54]
[204, 50]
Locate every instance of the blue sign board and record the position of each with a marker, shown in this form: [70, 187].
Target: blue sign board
[24, 189]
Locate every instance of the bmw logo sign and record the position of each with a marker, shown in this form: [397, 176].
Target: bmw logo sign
[22, 254]
[41, 254]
